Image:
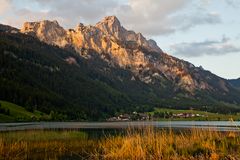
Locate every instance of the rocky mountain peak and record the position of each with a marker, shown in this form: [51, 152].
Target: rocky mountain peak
[107, 36]
[41, 25]
[111, 21]
[120, 47]
[111, 26]
[48, 31]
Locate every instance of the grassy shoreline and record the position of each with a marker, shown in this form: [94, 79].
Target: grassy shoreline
[145, 143]
[16, 113]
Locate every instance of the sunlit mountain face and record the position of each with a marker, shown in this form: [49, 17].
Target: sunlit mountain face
[120, 47]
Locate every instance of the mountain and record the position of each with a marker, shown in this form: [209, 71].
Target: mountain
[38, 76]
[235, 82]
[93, 72]
[128, 50]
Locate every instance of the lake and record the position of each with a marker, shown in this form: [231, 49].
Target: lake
[86, 140]
[213, 125]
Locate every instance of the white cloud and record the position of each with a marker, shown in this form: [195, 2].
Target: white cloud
[4, 6]
[233, 3]
[150, 17]
[68, 13]
[23, 15]
[189, 21]
[197, 49]
[75, 11]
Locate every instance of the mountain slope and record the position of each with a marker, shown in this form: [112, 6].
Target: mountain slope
[35, 74]
[15, 113]
[128, 50]
[131, 51]
[235, 82]
[93, 72]
[49, 78]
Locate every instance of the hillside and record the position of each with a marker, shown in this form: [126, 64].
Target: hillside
[127, 50]
[94, 72]
[11, 113]
[38, 76]
[235, 82]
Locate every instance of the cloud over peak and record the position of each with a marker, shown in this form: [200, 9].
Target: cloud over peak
[207, 47]
[150, 17]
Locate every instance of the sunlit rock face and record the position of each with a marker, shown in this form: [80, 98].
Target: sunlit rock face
[48, 31]
[123, 48]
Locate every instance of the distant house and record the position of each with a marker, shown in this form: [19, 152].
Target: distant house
[187, 115]
[124, 117]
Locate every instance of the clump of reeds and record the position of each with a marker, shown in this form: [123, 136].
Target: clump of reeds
[165, 144]
[136, 144]
[44, 145]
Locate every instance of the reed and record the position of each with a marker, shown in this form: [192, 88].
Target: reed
[165, 144]
[137, 144]
[21, 145]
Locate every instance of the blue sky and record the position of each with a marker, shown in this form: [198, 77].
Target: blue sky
[203, 32]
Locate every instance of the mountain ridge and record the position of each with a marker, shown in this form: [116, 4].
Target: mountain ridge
[235, 82]
[121, 47]
[90, 73]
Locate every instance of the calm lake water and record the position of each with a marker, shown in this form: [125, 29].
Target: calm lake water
[215, 125]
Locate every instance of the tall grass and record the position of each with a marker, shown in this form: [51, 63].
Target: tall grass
[21, 145]
[165, 144]
[141, 144]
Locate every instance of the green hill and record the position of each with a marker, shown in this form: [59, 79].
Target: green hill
[10, 112]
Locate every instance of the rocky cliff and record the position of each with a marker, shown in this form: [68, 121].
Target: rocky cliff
[129, 50]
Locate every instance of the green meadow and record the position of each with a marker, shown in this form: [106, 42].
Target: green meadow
[166, 114]
[13, 113]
